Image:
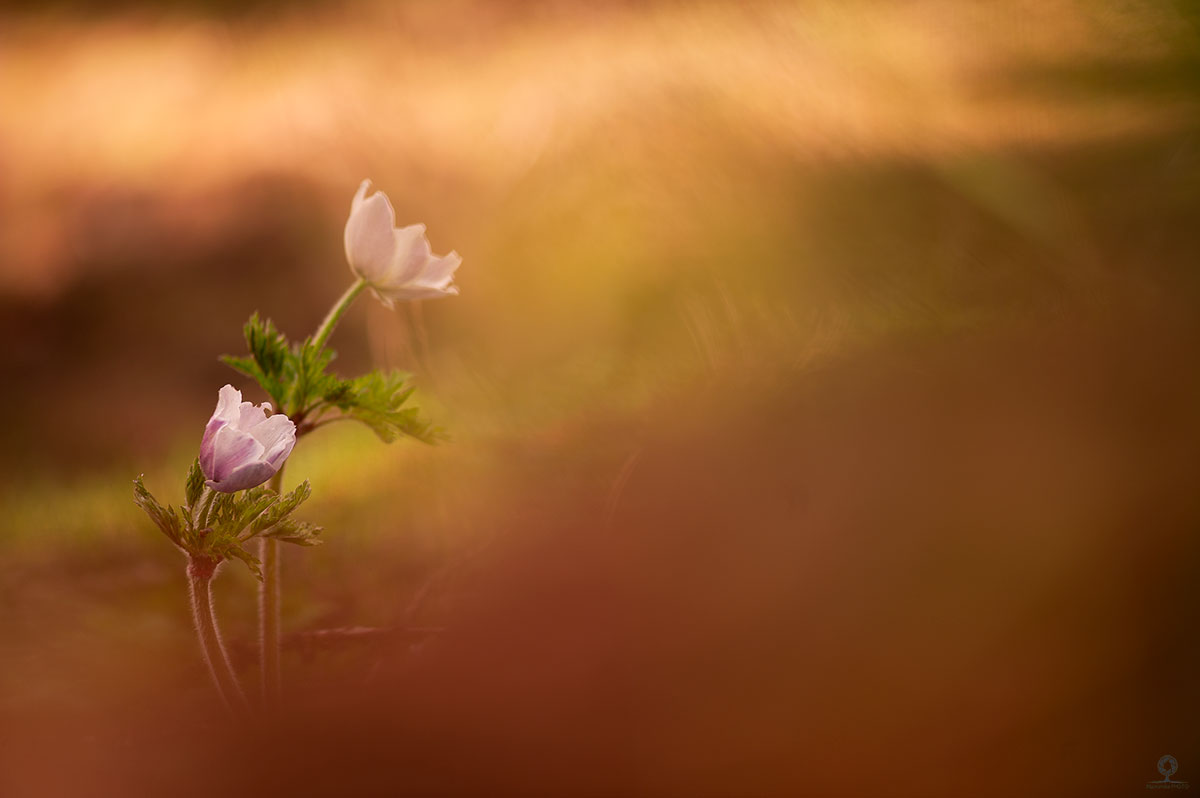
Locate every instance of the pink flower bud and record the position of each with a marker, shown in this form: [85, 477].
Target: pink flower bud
[242, 445]
[396, 262]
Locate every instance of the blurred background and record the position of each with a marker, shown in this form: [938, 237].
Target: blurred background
[822, 393]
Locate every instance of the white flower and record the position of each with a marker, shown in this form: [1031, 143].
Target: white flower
[242, 445]
[396, 262]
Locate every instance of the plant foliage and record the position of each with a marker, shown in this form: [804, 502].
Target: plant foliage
[296, 377]
[218, 525]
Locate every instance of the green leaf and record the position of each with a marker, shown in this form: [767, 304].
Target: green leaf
[251, 506]
[224, 511]
[340, 391]
[164, 518]
[270, 360]
[377, 400]
[195, 484]
[245, 365]
[268, 346]
[277, 512]
[236, 552]
[312, 383]
[300, 533]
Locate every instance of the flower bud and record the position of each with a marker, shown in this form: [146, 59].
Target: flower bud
[397, 263]
[243, 446]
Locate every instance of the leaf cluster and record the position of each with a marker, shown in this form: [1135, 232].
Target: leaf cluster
[218, 525]
[296, 376]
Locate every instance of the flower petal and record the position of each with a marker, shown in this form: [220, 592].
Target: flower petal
[279, 452]
[245, 476]
[228, 401]
[227, 412]
[368, 238]
[407, 293]
[439, 271]
[277, 435]
[232, 448]
[397, 263]
[360, 195]
[208, 450]
[243, 446]
[411, 253]
[250, 416]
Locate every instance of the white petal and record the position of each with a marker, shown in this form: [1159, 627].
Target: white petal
[360, 195]
[397, 263]
[439, 271]
[407, 293]
[275, 434]
[412, 250]
[228, 401]
[369, 242]
[250, 416]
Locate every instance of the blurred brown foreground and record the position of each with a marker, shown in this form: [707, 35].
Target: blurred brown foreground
[934, 568]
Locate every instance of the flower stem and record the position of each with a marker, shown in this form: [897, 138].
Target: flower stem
[200, 573]
[337, 311]
[268, 611]
[269, 589]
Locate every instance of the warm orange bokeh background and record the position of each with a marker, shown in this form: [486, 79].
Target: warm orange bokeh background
[823, 393]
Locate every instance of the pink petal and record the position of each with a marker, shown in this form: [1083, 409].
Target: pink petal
[208, 450]
[243, 477]
[233, 448]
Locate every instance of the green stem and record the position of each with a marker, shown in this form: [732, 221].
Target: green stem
[268, 611]
[336, 312]
[316, 425]
[200, 572]
[269, 589]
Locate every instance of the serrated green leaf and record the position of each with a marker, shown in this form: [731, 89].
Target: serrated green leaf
[236, 552]
[164, 518]
[253, 503]
[224, 510]
[245, 365]
[195, 484]
[282, 509]
[269, 363]
[268, 346]
[300, 533]
[339, 392]
[377, 400]
[311, 382]
[275, 387]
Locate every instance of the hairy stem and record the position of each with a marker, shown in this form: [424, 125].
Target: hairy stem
[200, 573]
[268, 611]
[336, 312]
